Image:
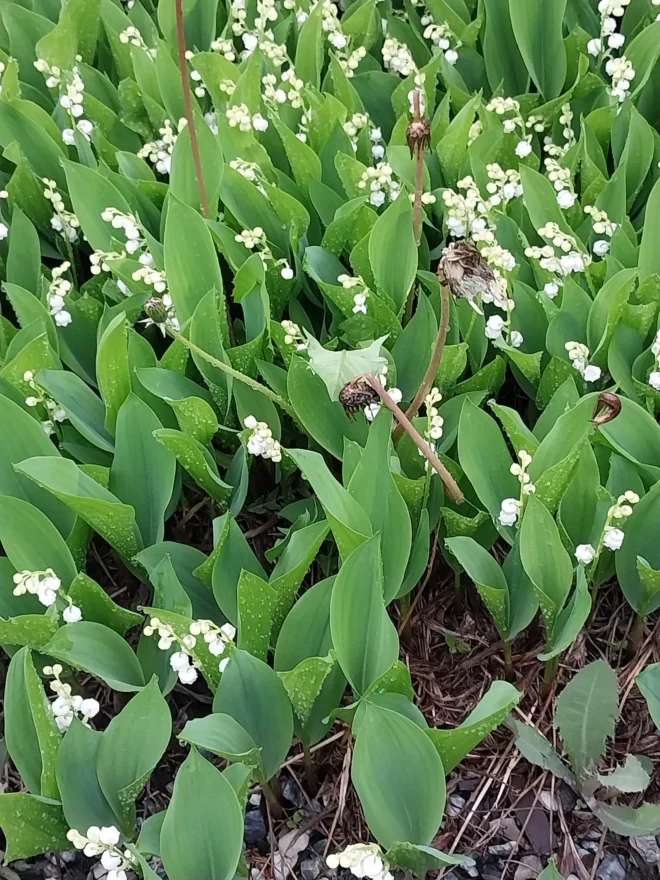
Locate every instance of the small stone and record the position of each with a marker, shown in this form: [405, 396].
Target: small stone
[292, 792]
[648, 848]
[312, 868]
[611, 868]
[255, 828]
[455, 804]
[503, 849]
[528, 869]
[549, 801]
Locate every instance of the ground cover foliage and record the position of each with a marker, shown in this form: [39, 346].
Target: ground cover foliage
[303, 307]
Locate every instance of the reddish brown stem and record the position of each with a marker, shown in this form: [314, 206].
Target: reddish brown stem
[419, 175]
[187, 100]
[450, 483]
[436, 357]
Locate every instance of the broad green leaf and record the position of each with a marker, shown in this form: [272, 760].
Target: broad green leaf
[399, 778]
[452, 148]
[231, 555]
[84, 409]
[349, 522]
[303, 684]
[31, 734]
[639, 557]
[538, 28]
[487, 576]
[422, 859]
[502, 58]
[97, 606]
[252, 693]
[539, 751]
[24, 257]
[30, 630]
[143, 470]
[91, 193]
[202, 834]
[256, 601]
[88, 499]
[32, 826]
[292, 566]
[648, 681]
[31, 541]
[363, 635]
[570, 620]
[197, 461]
[100, 651]
[373, 486]
[83, 801]
[112, 368]
[132, 745]
[224, 736]
[587, 709]
[338, 368]
[630, 821]
[394, 267]
[169, 593]
[546, 562]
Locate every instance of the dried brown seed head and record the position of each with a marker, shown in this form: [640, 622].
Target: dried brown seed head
[467, 273]
[608, 407]
[356, 395]
[419, 136]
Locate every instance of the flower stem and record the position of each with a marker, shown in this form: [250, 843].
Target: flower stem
[549, 675]
[450, 483]
[636, 634]
[419, 175]
[187, 100]
[308, 764]
[508, 660]
[235, 374]
[436, 357]
[271, 800]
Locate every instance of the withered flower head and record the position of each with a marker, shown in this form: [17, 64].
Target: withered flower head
[467, 273]
[608, 407]
[419, 136]
[357, 394]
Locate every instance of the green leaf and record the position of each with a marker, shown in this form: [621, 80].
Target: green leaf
[88, 499]
[587, 710]
[363, 635]
[24, 257]
[97, 606]
[648, 681]
[453, 745]
[84, 409]
[231, 555]
[538, 751]
[349, 522]
[338, 368]
[488, 578]
[91, 193]
[132, 745]
[632, 776]
[630, 821]
[32, 826]
[99, 651]
[303, 684]
[202, 835]
[504, 63]
[252, 693]
[422, 859]
[31, 734]
[399, 778]
[309, 51]
[373, 485]
[197, 461]
[538, 28]
[31, 630]
[169, 593]
[191, 261]
[31, 541]
[83, 802]
[112, 368]
[394, 265]
[143, 470]
[224, 736]
[550, 872]
[300, 551]
[546, 562]
[452, 148]
[256, 600]
[649, 256]
[639, 558]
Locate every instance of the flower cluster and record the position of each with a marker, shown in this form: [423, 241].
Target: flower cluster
[159, 152]
[105, 842]
[496, 327]
[239, 117]
[397, 57]
[562, 181]
[294, 336]
[569, 260]
[602, 225]
[133, 36]
[511, 508]
[287, 90]
[249, 170]
[612, 535]
[363, 860]
[62, 221]
[224, 47]
[434, 421]
[255, 240]
[42, 584]
[67, 706]
[442, 37]
[654, 377]
[361, 292]
[56, 413]
[381, 184]
[217, 638]
[261, 441]
[513, 123]
[130, 226]
[181, 661]
[100, 261]
[578, 354]
[619, 68]
[57, 291]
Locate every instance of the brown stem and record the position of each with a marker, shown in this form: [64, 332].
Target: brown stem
[450, 483]
[436, 357]
[308, 764]
[508, 661]
[187, 100]
[271, 800]
[636, 634]
[549, 675]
